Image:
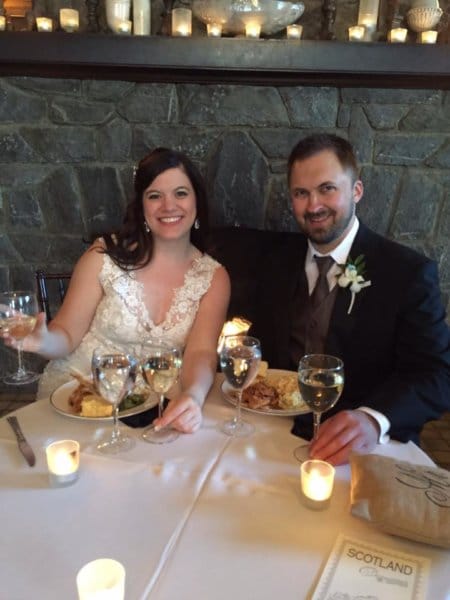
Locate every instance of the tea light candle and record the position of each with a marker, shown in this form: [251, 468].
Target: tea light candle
[214, 29]
[69, 19]
[123, 27]
[428, 37]
[294, 32]
[317, 478]
[181, 22]
[44, 24]
[356, 33]
[398, 35]
[63, 458]
[102, 578]
[2, 23]
[252, 30]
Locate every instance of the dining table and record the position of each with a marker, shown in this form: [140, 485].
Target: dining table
[206, 517]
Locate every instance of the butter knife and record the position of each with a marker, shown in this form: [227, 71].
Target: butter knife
[24, 446]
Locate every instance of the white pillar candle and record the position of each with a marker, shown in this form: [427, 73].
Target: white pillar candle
[2, 23]
[44, 24]
[356, 33]
[141, 17]
[252, 30]
[428, 37]
[317, 479]
[214, 29]
[294, 32]
[63, 459]
[398, 35]
[368, 13]
[69, 19]
[181, 22]
[103, 579]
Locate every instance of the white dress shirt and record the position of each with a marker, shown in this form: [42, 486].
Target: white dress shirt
[340, 255]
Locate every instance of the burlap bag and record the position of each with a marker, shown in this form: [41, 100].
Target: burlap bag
[401, 498]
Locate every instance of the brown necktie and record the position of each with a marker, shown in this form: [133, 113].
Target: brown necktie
[321, 289]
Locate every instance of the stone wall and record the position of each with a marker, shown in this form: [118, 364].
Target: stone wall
[67, 149]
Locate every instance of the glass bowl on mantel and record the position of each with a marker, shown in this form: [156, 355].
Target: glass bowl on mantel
[233, 15]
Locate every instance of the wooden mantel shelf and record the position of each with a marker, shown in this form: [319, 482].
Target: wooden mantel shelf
[224, 60]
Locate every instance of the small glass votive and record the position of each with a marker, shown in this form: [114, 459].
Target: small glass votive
[214, 29]
[356, 33]
[63, 459]
[317, 479]
[428, 37]
[398, 35]
[252, 30]
[294, 32]
[102, 578]
[69, 19]
[44, 24]
[123, 27]
[181, 22]
[2, 23]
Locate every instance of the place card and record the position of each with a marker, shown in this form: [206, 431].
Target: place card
[356, 569]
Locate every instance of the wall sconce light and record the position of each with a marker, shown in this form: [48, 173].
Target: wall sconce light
[428, 37]
[252, 30]
[44, 24]
[398, 35]
[69, 19]
[214, 29]
[181, 22]
[294, 32]
[356, 33]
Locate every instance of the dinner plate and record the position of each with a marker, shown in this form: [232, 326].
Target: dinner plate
[230, 395]
[59, 400]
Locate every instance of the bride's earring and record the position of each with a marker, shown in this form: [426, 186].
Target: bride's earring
[146, 227]
[196, 224]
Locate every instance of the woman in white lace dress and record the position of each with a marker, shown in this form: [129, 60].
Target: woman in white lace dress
[151, 279]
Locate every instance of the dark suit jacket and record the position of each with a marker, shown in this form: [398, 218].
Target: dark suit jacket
[394, 344]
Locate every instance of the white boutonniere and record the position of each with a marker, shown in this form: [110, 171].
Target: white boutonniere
[351, 274]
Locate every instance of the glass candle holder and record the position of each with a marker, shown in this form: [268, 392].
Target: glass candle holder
[428, 37]
[252, 30]
[181, 22]
[44, 24]
[2, 23]
[214, 29]
[69, 19]
[317, 480]
[63, 459]
[123, 27]
[356, 33]
[398, 35]
[294, 32]
[102, 578]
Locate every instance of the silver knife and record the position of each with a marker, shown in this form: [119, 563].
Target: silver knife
[24, 446]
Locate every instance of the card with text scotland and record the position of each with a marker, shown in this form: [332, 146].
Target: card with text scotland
[357, 570]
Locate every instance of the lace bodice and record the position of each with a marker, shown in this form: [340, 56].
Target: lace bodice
[121, 321]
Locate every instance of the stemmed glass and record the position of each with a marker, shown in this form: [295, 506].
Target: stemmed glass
[321, 381]
[114, 376]
[18, 311]
[160, 365]
[239, 360]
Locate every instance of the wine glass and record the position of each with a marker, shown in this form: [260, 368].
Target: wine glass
[321, 381]
[160, 365]
[18, 311]
[239, 360]
[114, 376]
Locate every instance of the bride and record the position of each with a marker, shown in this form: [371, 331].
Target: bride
[150, 279]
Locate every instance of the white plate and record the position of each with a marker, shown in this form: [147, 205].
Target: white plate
[60, 402]
[229, 395]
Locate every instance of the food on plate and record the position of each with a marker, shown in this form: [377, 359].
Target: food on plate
[95, 406]
[273, 390]
[287, 388]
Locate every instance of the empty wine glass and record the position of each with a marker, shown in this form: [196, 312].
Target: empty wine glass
[160, 365]
[114, 376]
[321, 381]
[18, 311]
[239, 360]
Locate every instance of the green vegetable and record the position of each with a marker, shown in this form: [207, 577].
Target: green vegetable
[131, 400]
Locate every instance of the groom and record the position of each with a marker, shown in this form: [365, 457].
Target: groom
[344, 290]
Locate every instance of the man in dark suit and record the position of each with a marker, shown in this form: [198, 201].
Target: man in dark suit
[383, 316]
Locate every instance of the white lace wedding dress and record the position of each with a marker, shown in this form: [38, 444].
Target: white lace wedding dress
[121, 322]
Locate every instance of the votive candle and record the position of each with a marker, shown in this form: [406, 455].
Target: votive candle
[214, 29]
[123, 27]
[103, 579]
[398, 35]
[63, 459]
[356, 33]
[294, 32]
[181, 22]
[252, 30]
[2, 23]
[428, 37]
[317, 479]
[69, 19]
[44, 24]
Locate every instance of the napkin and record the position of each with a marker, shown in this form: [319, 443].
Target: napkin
[402, 498]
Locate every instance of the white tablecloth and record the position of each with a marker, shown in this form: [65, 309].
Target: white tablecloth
[204, 517]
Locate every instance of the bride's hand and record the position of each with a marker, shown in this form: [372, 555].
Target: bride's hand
[34, 341]
[183, 414]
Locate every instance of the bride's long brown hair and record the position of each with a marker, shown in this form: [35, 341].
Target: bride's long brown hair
[132, 246]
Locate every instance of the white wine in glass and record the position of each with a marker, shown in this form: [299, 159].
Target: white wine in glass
[18, 312]
[114, 376]
[239, 360]
[160, 365]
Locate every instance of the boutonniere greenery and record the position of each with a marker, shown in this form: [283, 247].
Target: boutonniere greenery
[352, 274]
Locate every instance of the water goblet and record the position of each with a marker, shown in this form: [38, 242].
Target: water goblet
[114, 376]
[160, 365]
[239, 360]
[18, 311]
[321, 381]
